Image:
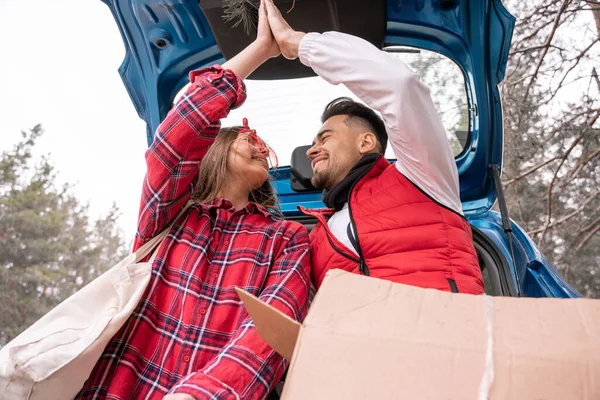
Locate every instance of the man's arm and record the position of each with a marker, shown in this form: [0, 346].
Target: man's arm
[247, 367]
[387, 85]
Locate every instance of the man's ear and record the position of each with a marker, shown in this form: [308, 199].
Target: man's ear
[367, 143]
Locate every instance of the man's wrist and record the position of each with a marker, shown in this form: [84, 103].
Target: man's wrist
[292, 43]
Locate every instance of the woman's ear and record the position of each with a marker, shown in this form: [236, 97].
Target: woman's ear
[368, 143]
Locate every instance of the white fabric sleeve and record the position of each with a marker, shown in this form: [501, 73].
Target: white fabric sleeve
[389, 86]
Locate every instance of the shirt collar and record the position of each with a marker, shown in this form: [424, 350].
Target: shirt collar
[250, 208]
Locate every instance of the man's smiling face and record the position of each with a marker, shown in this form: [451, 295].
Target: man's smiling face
[335, 150]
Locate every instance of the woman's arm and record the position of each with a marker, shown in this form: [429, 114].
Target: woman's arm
[263, 48]
[185, 135]
[181, 142]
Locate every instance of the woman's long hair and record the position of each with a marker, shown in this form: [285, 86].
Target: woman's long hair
[214, 173]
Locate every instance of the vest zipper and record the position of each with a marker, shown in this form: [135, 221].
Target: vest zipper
[339, 251]
[362, 263]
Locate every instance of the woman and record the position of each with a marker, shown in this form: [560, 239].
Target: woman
[190, 337]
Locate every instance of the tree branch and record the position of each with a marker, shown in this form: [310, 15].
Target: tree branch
[551, 186]
[576, 59]
[596, 13]
[593, 120]
[554, 131]
[595, 76]
[531, 35]
[546, 45]
[568, 216]
[579, 167]
[583, 242]
[587, 238]
[591, 224]
[530, 171]
[538, 11]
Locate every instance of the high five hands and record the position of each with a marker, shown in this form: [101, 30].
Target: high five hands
[274, 36]
[286, 37]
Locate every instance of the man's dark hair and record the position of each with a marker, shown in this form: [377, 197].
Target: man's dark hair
[358, 113]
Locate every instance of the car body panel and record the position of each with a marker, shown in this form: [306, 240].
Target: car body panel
[538, 278]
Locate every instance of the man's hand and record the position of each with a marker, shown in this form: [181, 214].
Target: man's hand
[264, 37]
[287, 38]
[178, 396]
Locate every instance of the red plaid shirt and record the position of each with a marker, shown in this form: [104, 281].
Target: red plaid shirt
[190, 333]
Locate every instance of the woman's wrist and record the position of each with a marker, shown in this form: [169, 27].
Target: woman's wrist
[264, 49]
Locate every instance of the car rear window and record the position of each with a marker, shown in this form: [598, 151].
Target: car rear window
[286, 113]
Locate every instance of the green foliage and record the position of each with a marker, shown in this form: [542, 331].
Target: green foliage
[48, 248]
[243, 12]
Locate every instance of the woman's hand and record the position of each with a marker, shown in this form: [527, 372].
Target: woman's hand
[264, 37]
[257, 52]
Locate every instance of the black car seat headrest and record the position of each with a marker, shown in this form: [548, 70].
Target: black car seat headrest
[301, 170]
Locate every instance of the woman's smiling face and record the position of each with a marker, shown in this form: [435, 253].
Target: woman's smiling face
[249, 156]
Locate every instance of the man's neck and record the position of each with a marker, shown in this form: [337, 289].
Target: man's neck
[338, 195]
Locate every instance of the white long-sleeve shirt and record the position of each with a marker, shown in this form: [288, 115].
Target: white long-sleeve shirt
[416, 134]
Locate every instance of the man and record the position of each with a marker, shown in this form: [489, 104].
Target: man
[401, 222]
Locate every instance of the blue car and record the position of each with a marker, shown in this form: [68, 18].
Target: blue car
[459, 48]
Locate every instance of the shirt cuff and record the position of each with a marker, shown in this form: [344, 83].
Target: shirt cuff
[305, 46]
[206, 76]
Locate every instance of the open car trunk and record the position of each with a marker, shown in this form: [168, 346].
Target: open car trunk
[165, 40]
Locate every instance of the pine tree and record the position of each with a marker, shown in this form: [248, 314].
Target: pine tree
[48, 248]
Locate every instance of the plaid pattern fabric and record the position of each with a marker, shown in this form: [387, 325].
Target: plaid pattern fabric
[190, 333]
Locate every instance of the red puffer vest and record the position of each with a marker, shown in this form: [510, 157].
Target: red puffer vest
[403, 234]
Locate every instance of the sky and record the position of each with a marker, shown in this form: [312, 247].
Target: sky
[59, 69]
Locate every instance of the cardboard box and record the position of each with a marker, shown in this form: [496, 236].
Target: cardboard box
[366, 338]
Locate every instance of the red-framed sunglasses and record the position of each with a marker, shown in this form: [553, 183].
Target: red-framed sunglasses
[255, 142]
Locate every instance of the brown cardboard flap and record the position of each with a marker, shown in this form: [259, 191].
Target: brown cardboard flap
[274, 327]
